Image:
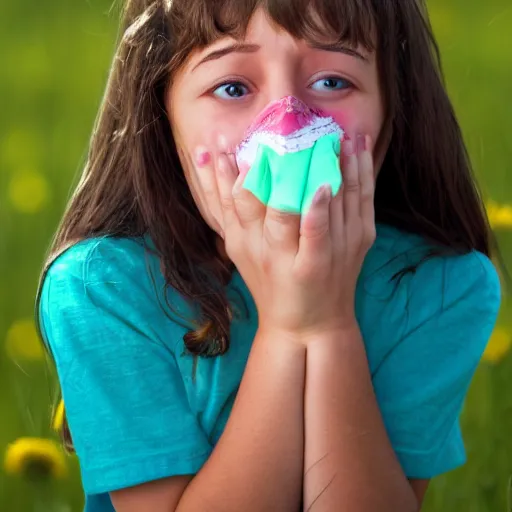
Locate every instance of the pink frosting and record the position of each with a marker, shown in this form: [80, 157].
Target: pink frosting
[286, 125]
[284, 116]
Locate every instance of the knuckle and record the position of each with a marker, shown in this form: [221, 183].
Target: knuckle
[282, 230]
[275, 236]
[367, 194]
[351, 185]
[248, 210]
[280, 217]
[315, 224]
[226, 202]
[315, 231]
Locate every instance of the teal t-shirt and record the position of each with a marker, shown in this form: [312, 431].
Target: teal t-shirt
[138, 411]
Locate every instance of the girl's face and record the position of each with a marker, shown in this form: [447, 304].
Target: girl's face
[222, 88]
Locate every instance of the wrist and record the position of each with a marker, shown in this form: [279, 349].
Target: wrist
[274, 337]
[343, 331]
[343, 328]
[328, 347]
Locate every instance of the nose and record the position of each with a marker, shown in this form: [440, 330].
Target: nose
[281, 82]
[282, 90]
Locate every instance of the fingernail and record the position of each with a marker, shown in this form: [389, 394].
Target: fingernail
[348, 147]
[361, 143]
[202, 156]
[322, 195]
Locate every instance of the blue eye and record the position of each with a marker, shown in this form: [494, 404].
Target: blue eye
[231, 90]
[330, 84]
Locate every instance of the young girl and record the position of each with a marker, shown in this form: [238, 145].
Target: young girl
[218, 355]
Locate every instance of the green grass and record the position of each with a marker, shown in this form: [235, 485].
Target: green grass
[56, 57]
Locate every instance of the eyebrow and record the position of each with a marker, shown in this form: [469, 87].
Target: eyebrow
[339, 48]
[253, 48]
[227, 50]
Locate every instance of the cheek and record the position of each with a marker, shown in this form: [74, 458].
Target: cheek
[345, 118]
[197, 121]
[203, 127]
[358, 119]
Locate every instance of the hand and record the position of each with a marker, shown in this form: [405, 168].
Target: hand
[302, 273]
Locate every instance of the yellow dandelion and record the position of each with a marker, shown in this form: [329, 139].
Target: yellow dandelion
[58, 417]
[22, 341]
[35, 458]
[498, 345]
[28, 191]
[500, 216]
[503, 217]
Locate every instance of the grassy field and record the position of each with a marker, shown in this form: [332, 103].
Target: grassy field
[56, 55]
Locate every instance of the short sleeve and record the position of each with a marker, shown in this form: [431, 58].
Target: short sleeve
[125, 399]
[421, 384]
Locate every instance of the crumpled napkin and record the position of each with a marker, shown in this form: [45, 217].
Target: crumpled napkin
[289, 151]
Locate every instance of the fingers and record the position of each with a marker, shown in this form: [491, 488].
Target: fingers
[226, 177]
[350, 173]
[281, 230]
[359, 186]
[249, 210]
[207, 184]
[315, 240]
[328, 224]
[367, 190]
[316, 221]
[337, 223]
[217, 175]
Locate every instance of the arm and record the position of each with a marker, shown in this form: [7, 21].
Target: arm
[349, 460]
[257, 463]
[420, 387]
[133, 428]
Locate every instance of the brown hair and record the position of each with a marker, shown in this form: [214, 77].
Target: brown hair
[133, 183]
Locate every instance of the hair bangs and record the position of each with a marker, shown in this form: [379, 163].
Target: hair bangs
[198, 23]
[350, 22]
[195, 24]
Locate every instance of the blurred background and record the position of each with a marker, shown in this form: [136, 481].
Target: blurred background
[56, 55]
